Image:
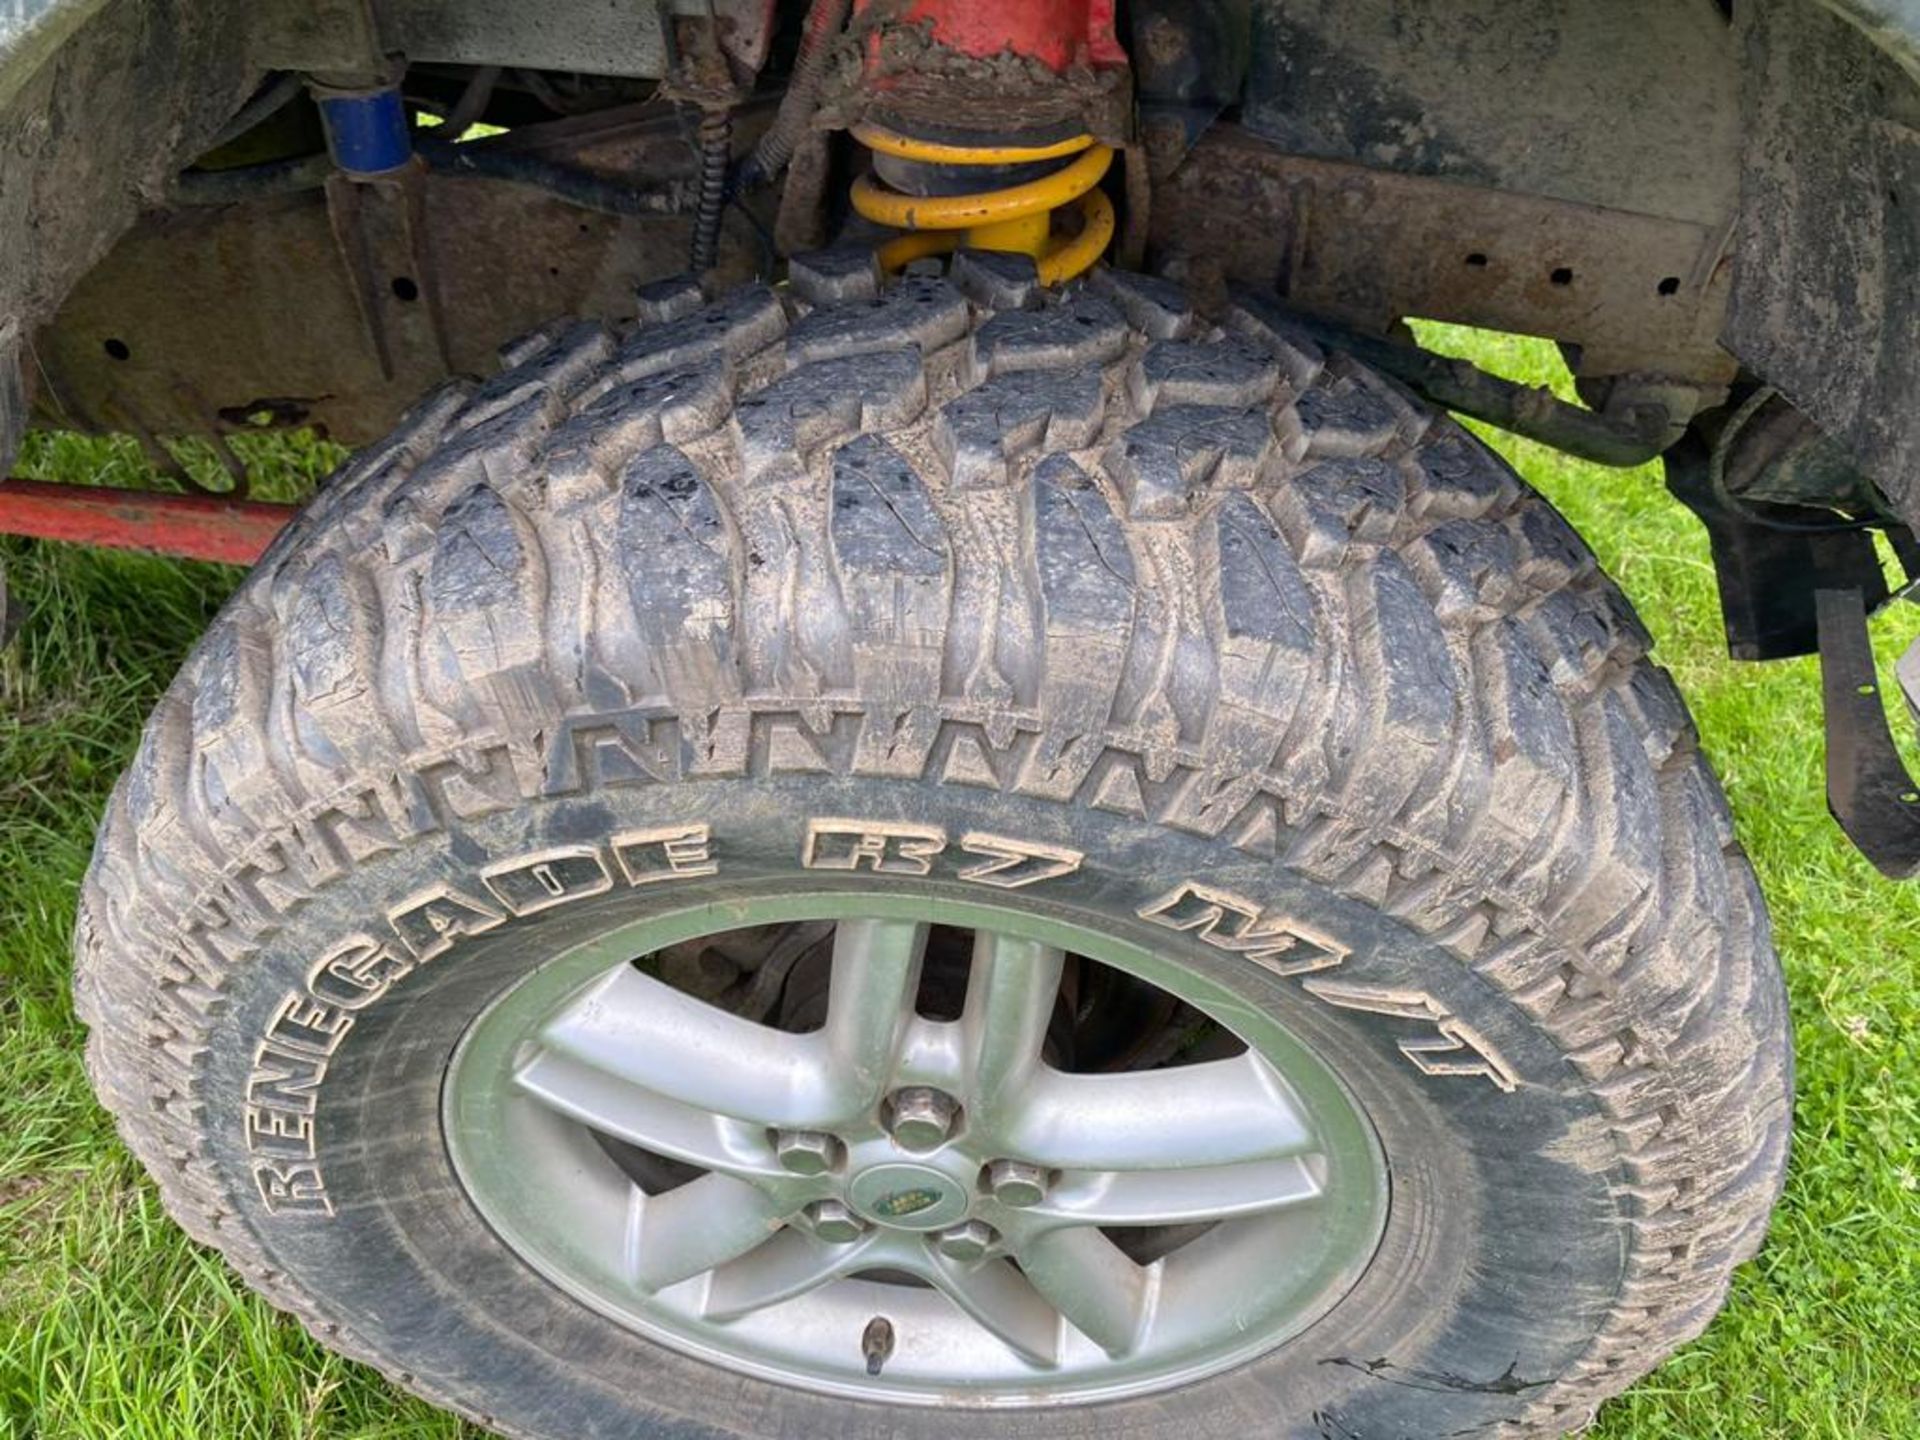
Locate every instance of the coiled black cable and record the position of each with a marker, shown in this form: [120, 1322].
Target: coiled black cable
[716, 157]
[824, 21]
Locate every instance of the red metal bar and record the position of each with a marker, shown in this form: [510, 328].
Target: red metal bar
[195, 527]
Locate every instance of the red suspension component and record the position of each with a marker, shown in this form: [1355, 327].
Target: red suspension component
[1060, 34]
[966, 104]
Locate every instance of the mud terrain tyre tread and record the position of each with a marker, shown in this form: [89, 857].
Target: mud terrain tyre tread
[1101, 521]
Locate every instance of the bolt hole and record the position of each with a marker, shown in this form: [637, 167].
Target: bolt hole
[405, 289]
[1669, 286]
[117, 349]
[554, 270]
[1561, 276]
[1477, 260]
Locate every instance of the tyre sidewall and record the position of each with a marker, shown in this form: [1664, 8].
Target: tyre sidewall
[1505, 1244]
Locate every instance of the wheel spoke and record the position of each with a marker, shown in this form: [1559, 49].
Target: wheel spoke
[1091, 1282]
[1003, 1301]
[1011, 995]
[1178, 1197]
[870, 994]
[645, 1033]
[787, 1266]
[619, 1108]
[1224, 1112]
[703, 1224]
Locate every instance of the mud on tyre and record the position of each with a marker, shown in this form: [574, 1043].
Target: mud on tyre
[1176, 655]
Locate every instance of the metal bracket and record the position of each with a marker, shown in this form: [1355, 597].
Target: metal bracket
[1767, 576]
[1869, 791]
[376, 207]
[379, 230]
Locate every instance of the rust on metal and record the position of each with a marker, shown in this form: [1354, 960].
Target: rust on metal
[197, 314]
[1059, 34]
[975, 70]
[193, 527]
[1638, 294]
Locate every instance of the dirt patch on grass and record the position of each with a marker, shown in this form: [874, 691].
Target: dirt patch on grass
[20, 1187]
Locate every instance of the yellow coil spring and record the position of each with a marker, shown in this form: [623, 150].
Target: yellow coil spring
[1018, 218]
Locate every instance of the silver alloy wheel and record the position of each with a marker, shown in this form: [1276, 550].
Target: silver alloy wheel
[981, 1271]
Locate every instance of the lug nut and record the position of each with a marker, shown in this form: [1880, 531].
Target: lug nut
[966, 1242]
[1017, 1184]
[922, 1118]
[835, 1223]
[804, 1152]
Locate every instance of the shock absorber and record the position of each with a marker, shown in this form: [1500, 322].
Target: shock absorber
[913, 189]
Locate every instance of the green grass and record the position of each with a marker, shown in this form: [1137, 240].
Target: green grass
[113, 1325]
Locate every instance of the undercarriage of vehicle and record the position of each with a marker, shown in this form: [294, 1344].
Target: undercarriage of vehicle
[1639, 185]
[915, 782]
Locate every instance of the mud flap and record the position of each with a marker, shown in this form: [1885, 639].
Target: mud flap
[1869, 790]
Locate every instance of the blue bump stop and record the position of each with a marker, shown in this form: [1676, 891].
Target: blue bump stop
[367, 134]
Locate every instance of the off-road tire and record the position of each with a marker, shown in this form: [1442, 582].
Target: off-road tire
[1195, 599]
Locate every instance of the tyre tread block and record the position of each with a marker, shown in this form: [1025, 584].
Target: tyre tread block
[920, 313]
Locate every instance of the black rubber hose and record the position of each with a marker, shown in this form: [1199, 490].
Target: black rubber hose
[310, 172]
[1535, 413]
[472, 103]
[251, 182]
[270, 100]
[577, 187]
[825, 20]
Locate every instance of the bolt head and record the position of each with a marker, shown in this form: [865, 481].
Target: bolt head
[834, 1222]
[922, 1118]
[805, 1152]
[1017, 1184]
[966, 1242]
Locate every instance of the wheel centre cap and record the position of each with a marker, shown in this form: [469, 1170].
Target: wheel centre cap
[905, 1196]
